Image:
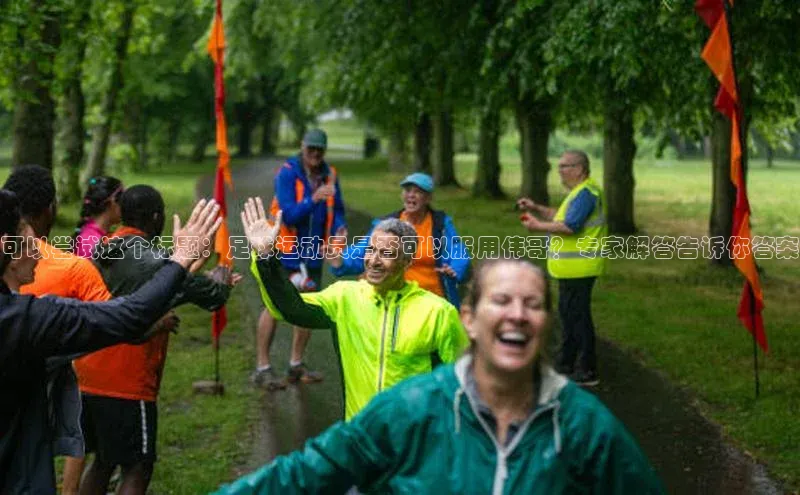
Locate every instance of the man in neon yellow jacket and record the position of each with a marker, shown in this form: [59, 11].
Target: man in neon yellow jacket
[387, 329]
[577, 229]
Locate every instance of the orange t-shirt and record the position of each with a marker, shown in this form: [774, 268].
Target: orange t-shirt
[422, 269]
[125, 371]
[63, 274]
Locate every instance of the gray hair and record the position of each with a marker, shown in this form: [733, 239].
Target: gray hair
[404, 231]
[583, 158]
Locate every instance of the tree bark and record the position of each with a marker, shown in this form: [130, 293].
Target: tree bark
[619, 149]
[422, 144]
[173, 138]
[443, 155]
[74, 107]
[534, 122]
[398, 152]
[34, 108]
[723, 196]
[102, 134]
[244, 117]
[269, 134]
[200, 144]
[487, 177]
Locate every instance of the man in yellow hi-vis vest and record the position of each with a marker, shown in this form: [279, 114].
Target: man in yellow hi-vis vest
[577, 229]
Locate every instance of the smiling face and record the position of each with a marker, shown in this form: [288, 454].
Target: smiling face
[313, 156]
[509, 322]
[415, 200]
[384, 263]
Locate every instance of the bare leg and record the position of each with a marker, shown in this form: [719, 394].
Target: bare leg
[73, 469]
[96, 480]
[299, 372]
[136, 478]
[300, 338]
[265, 334]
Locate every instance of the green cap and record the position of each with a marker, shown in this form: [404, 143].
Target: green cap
[315, 138]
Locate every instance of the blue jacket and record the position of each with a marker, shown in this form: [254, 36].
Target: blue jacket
[307, 217]
[451, 252]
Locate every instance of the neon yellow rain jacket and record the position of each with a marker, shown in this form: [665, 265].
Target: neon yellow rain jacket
[380, 340]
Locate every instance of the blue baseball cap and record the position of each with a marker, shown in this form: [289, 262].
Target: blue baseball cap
[422, 181]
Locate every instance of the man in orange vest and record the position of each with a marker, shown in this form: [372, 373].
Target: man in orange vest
[307, 191]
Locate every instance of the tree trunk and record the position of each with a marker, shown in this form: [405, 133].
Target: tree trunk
[723, 196]
[34, 109]
[443, 164]
[398, 152]
[269, 134]
[102, 134]
[422, 144]
[200, 144]
[244, 117]
[619, 149]
[74, 107]
[173, 138]
[487, 177]
[534, 122]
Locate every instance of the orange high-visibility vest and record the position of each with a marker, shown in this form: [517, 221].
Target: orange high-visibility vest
[287, 239]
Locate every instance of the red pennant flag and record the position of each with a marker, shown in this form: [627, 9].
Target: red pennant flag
[718, 54]
[216, 49]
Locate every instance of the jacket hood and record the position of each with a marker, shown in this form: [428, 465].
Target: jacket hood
[550, 386]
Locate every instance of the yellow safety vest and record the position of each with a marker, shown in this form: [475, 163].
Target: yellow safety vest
[579, 255]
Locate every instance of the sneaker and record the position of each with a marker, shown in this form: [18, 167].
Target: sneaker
[586, 378]
[300, 373]
[268, 379]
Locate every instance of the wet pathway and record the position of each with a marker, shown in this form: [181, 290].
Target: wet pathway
[687, 450]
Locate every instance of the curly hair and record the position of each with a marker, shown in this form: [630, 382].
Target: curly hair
[34, 187]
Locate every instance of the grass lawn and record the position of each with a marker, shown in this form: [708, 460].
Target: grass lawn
[201, 439]
[677, 315]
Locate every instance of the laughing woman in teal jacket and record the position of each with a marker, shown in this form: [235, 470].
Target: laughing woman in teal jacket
[499, 421]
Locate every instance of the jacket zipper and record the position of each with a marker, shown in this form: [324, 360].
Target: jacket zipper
[394, 326]
[383, 346]
[501, 472]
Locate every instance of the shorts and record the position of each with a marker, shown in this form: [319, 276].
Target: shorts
[119, 431]
[314, 275]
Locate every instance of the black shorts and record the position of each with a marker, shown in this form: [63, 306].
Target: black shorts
[119, 431]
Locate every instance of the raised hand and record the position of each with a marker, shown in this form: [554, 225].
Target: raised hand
[259, 231]
[192, 241]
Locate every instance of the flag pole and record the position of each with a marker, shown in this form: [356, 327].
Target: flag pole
[755, 346]
[727, 12]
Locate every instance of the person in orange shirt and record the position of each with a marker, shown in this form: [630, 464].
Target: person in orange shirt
[442, 260]
[62, 274]
[120, 384]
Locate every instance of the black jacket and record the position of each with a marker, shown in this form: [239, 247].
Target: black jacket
[127, 262]
[35, 329]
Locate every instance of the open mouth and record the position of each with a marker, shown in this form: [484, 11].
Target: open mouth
[514, 338]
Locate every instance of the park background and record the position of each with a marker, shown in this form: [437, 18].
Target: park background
[483, 95]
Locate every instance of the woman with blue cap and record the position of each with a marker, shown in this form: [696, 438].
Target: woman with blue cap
[441, 262]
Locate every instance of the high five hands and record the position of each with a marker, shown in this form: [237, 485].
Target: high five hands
[261, 233]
